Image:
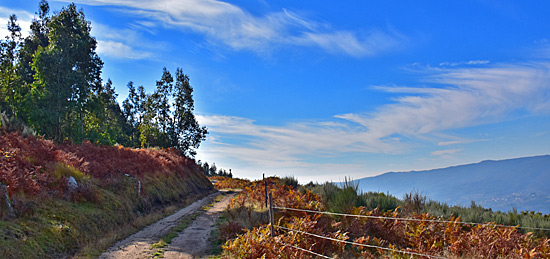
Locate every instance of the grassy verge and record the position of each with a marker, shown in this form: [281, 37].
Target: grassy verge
[59, 200]
[215, 241]
[55, 228]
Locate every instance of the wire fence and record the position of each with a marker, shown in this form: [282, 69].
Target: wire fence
[305, 250]
[393, 250]
[356, 244]
[408, 219]
[372, 217]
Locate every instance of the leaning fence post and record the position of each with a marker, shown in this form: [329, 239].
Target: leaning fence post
[139, 184]
[7, 197]
[271, 216]
[265, 189]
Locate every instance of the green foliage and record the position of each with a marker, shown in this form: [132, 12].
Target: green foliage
[51, 81]
[67, 71]
[163, 123]
[9, 79]
[289, 181]
[346, 196]
[213, 170]
[60, 170]
[384, 202]
[338, 198]
[478, 214]
[326, 191]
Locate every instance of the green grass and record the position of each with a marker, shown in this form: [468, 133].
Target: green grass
[88, 222]
[215, 242]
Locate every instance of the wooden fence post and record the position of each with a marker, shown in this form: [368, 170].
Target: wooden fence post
[4, 188]
[271, 216]
[265, 188]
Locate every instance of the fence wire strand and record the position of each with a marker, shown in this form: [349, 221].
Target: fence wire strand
[358, 244]
[305, 250]
[408, 219]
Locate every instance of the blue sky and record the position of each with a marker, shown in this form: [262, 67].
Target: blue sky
[323, 90]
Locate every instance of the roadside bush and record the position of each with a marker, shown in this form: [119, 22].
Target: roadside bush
[424, 234]
[289, 181]
[385, 202]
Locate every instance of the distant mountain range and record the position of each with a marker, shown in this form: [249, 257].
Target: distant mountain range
[521, 183]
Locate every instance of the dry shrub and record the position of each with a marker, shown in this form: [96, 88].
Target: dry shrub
[424, 236]
[37, 166]
[230, 230]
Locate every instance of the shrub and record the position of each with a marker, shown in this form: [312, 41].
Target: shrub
[385, 202]
[12, 124]
[414, 202]
[289, 181]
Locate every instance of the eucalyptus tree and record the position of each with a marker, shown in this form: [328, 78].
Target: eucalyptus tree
[8, 68]
[105, 121]
[38, 38]
[133, 109]
[67, 71]
[162, 106]
[187, 133]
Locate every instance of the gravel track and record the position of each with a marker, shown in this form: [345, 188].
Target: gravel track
[191, 242]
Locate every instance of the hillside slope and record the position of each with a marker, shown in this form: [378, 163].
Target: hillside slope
[520, 183]
[62, 198]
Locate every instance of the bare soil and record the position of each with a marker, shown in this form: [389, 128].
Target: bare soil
[190, 243]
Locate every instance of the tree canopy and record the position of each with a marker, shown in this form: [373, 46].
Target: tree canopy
[51, 81]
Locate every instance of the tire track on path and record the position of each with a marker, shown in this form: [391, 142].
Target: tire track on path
[139, 244]
[193, 241]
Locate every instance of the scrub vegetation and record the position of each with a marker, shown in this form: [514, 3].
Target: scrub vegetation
[69, 199]
[247, 234]
[78, 170]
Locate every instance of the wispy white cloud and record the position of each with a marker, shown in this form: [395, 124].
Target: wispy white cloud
[458, 98]
[121, 43]
[470, 62]
[227, 24]
[120, 50]
[457, 142]
[118, 43]
[445, 152]
[465, 97]
[349, 43]
[291, 140]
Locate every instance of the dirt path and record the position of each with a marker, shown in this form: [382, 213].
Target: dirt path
[192, 241]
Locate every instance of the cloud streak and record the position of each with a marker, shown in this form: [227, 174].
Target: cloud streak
[121, 43]
[229, 25]
[120, 50]
[471, 62]
[445, 152]
[465, 97]
[458, 98]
